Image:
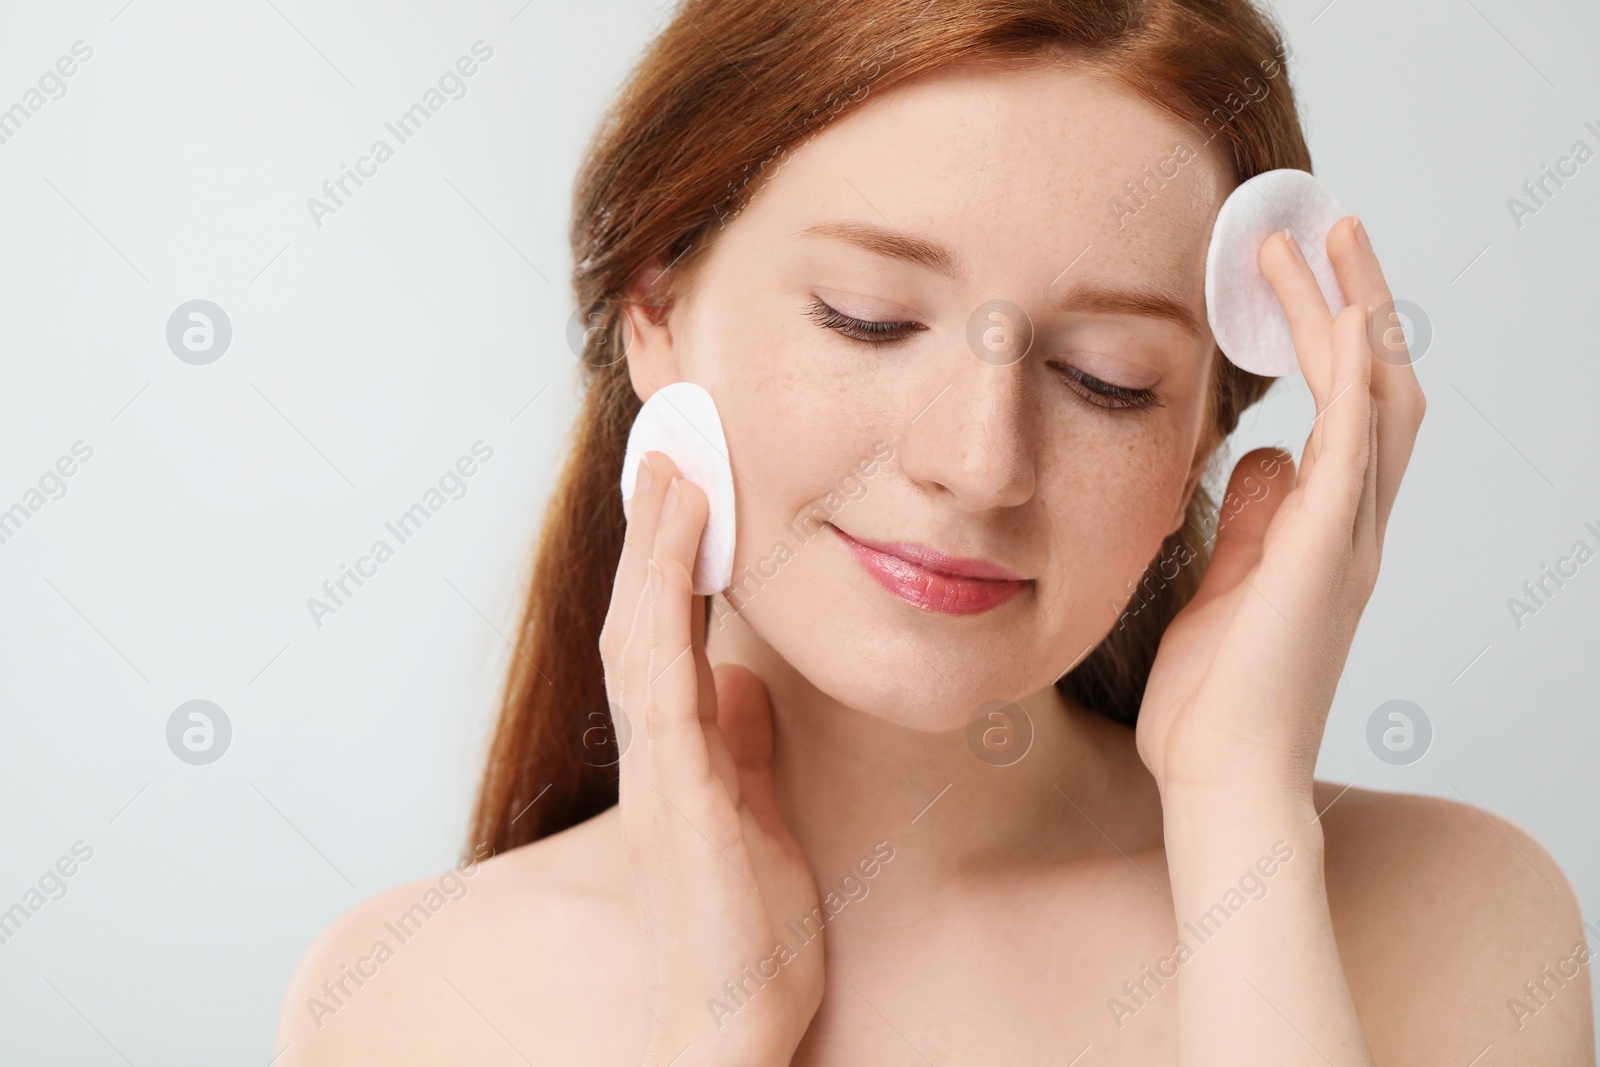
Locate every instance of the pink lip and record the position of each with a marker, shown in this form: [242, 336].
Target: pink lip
[933, 580]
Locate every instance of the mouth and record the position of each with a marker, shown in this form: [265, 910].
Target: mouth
[931, 580]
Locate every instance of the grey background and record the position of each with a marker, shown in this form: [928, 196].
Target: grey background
[429, 313]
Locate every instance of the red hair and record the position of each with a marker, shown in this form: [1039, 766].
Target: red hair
[727, 89]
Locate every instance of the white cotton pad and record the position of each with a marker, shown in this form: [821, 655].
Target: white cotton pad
[1246, 318]
[681, 420]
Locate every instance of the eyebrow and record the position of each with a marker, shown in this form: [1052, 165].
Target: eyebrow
[883, 241]
[1150, 303]
[892, 243]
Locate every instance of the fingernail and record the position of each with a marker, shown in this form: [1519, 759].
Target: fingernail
[669, 505]
[642, 482]
[1294, 246]
[1361, 236]
[654, 579]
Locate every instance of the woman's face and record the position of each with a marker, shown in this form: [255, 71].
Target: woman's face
[863, 325]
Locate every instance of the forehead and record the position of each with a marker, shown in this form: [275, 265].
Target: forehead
[1019, 171]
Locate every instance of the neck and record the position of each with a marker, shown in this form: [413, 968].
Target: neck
[954, 804]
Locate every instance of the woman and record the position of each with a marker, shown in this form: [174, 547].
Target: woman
[1000, 747]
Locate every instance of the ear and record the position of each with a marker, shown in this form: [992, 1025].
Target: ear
[646, 308]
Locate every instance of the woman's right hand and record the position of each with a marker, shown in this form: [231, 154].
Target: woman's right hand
[717, 872]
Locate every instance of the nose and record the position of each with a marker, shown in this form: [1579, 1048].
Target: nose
[972, 439]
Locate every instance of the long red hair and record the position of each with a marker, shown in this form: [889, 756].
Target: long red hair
[727, 89]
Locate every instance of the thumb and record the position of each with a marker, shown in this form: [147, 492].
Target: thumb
[744, 716]
[1260, 482]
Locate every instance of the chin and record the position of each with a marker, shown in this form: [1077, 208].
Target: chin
[882, 674]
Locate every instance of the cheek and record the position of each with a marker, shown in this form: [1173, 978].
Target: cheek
[798, 435]
[1112, 496]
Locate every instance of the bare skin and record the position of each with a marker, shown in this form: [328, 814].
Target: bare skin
[545, 953]
[1021, 909]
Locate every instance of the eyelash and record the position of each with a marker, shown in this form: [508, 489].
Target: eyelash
[1094, 391]
[1104, 394]
[877, 333]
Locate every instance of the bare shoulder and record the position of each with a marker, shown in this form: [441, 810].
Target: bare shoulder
[1457, 930]
[524, 956]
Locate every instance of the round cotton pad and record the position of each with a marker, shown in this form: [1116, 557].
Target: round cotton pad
[1246, 318]
[681, 420]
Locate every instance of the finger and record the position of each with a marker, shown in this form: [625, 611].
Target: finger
[1369, 524]
[702, 665]
[624, 683]
[655, 472]
[1260, 482]
[722, 764]
[1303, 303]
[625, 636]
[684, 510]
[680, 523]
[1345, 461]
[1396, 391]
[674, 737]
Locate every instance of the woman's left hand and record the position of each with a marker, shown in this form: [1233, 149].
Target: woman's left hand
[1245, 675]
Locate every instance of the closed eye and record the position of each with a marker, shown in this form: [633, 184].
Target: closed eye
[871, 332]
[1094, 391]
[1104, 394]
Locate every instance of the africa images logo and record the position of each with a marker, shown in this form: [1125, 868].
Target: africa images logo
[451, 85]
